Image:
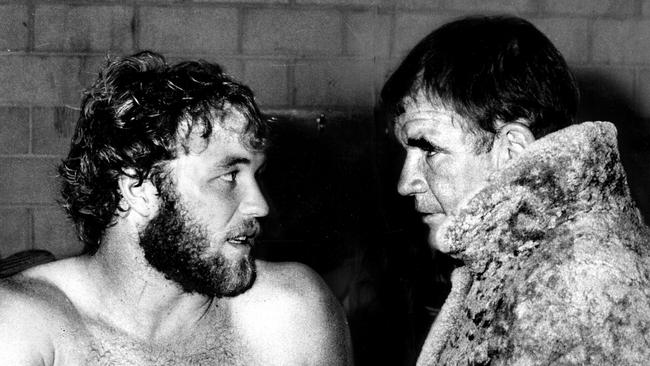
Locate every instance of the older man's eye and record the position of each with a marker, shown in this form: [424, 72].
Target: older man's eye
[432, 151]
[424, 145]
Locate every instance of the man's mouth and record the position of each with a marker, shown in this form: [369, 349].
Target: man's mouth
[244, 235]
[432, 217]
[425, 212]
[247, 240]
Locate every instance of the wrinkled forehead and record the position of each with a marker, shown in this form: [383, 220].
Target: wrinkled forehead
[421, 109]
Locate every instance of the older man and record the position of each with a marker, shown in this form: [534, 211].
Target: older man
[556, 265]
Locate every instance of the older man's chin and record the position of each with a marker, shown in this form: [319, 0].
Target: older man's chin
[436, 244]
[435, 240]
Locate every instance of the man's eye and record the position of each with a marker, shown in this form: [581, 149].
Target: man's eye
[229, 177]
[431, 150]
[424, 145]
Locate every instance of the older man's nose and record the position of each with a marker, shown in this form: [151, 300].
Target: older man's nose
[411, 180]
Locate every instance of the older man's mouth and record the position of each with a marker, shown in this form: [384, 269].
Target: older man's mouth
[433, 218]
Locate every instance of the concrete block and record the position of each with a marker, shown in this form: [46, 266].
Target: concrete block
[501, 6]
[383, 70]
[418, 4]
[233, 66]
[643, 94]
[617, 41]
[368, 33]
[24, 79]
[83, 28]
[13, 27]
[28, 180]
[591, 7]
[245, 1]
[645, 10]
[42, 80]
[336, 82]
[14, 130]
[342, 2]
[55, 233]
[277, 31]
[15, 230]
[87, 68]
[410, 28]
[570, 36]
[189, 29]
[268, 79]
[53, 128]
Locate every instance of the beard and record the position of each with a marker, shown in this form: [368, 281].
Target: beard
[176, 245]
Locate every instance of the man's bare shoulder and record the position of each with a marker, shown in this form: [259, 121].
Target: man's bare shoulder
[294, 288]
[33, 311]
[291, 310]
[33, 291]
[287, 287]
[290, 278]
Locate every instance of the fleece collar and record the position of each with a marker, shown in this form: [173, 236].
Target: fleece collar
[565, 173]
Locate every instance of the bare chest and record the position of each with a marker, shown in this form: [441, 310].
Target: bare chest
[104, 347]
[112, 352]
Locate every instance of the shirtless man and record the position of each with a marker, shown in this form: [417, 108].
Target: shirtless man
[161, 182]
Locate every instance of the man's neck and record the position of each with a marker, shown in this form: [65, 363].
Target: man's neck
[134, 298]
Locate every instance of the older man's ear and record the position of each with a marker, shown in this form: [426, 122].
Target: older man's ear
[511, 140]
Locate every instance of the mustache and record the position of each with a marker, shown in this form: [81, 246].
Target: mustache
[250, 228]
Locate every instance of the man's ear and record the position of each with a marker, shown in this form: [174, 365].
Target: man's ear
[139, 198]
[511, 140]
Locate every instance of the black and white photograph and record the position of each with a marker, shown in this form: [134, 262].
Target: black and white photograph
[324, 182]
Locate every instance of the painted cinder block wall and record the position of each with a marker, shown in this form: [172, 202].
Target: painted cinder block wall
[296, 54]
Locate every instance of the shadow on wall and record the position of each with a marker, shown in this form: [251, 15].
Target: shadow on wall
[331, 185]
[602, 99]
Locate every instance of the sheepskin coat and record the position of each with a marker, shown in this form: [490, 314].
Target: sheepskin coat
[556, 262]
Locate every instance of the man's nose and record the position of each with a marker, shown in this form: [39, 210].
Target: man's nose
[255, 204]
[411, 180]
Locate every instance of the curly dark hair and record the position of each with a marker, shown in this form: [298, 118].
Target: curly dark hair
[129, 125]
